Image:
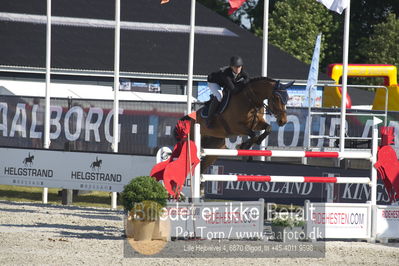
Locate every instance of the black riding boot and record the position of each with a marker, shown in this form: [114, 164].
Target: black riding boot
[212, 111]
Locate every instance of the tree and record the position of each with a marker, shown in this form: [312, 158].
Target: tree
[294, 25]
[382, 46]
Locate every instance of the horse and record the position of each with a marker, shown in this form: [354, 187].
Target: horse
[28, 160]
[96, 164]
[243, 116]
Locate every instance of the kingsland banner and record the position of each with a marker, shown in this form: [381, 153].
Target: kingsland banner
[290, 193]
[146, 126]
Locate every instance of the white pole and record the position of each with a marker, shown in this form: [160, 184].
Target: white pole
[265, 56]
[265, 38]
[115, 140]
[374, 176]
[374, 149]
[196, 181]
[46, 143]
[344, 78]
[191, 58]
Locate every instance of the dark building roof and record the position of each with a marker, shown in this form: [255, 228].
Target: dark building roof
[153, 39]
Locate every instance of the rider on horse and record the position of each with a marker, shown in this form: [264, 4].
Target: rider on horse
[229, 78]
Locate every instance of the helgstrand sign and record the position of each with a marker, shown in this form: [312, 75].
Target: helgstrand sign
[71, 170]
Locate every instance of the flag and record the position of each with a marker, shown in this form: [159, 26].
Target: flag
[234, 5]
[335, 5]
[313, 74]
[164, 1]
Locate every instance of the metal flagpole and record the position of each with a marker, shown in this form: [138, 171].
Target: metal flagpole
[265, 37]
[344, 78]
[46, 143]
[191, 58]
[115, 139]
[265, 55]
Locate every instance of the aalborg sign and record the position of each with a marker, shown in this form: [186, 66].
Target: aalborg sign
[72, 170]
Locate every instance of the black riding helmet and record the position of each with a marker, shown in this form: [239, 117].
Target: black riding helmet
[236, 61]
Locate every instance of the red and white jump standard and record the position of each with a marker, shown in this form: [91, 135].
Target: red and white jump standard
[371, 156]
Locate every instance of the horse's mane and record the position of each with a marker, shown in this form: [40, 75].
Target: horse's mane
[261, 78]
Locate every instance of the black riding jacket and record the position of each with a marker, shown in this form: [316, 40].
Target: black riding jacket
[225, 78]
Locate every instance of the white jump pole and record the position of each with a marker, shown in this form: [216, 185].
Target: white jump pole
[288, 154]
[287, 179]
[196, 178]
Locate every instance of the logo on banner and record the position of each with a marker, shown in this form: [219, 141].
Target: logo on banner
[96, 164]
[28, 160]
[28, 170]
[95, 173]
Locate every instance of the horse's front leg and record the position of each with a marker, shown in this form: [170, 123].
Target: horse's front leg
[248, 144]
[267, 130]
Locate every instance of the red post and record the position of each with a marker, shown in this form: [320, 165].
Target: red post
[387, 136]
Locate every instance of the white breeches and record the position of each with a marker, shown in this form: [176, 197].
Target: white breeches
[216, 90]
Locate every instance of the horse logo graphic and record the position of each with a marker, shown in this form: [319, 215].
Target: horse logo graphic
[96, 164]
[28, 160]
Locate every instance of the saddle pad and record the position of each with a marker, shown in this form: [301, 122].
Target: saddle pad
[222, 106]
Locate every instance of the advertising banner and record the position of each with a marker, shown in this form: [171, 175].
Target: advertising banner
[70, 170]
[386, 221]
[289, 193]
[338, 220]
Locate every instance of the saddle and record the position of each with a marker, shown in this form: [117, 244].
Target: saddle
[222, 106]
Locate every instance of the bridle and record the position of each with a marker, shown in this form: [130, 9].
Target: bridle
[270, 110]
[254, 101]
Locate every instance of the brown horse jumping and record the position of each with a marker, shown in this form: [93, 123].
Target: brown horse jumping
[244, 116]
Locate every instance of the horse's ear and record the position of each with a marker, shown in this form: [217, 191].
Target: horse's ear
[289, 84]
[277, 85]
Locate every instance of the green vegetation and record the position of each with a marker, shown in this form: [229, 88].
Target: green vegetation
[294, 25]
[144, 197]
[382, 45]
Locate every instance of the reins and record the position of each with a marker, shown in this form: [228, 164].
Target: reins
[252, 98]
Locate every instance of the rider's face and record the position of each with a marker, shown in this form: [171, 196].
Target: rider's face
[236, 69]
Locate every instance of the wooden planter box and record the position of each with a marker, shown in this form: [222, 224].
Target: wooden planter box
[160, 230]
